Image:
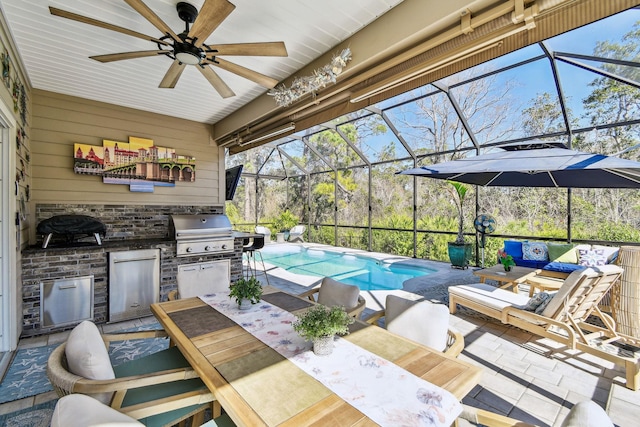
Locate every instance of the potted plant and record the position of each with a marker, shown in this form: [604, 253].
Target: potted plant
[506, 260]
[319, 324]
[459, 251]
[246, 292]
[285, 222]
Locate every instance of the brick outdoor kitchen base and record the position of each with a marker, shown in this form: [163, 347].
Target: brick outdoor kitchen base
[128, 228]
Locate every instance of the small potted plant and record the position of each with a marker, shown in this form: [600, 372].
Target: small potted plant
[319, 324]
[246, 292]
[506, 260]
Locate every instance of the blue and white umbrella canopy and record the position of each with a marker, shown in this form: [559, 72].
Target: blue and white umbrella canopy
[537, 167]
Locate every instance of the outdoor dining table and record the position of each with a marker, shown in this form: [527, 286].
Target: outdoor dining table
[257, 386]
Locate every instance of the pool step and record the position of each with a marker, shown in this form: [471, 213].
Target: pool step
[351, 274]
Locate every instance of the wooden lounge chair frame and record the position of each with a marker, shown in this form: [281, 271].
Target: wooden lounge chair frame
[64, 382]
[568, 325]
[455, 340]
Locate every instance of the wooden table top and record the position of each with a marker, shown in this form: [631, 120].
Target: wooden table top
[516, 275]
[258, 387]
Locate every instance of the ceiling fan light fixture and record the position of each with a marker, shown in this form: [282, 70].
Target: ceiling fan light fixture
[188, 58]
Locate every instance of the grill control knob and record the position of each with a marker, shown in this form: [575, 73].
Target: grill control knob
[224, 246]
[208, 248]
[189, 249]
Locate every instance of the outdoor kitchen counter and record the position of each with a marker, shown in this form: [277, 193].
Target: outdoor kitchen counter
[106, 245]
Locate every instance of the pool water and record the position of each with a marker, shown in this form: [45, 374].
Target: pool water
[366, 273]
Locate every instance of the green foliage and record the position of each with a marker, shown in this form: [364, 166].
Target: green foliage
[285, 222]
[459, 191]
[320, 321]
[250, 289]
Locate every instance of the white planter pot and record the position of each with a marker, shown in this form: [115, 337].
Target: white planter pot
[323, 346]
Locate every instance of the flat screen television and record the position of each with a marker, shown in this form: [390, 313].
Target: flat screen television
[232, 178]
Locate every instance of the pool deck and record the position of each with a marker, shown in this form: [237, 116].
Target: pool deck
[523, 378]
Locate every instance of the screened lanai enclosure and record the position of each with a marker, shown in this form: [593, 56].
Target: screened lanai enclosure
[580, 88]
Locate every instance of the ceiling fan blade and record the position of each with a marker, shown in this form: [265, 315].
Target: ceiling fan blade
[252, 49]
[212, 13]
[217, 83]
[150, 16]
[101, 24]
[128, 55]
[173, 74]
[254, 76]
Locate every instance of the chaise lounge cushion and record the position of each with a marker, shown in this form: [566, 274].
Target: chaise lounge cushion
[402, 316]
[489, 296]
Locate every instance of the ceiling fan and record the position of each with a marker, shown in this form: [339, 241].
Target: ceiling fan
[188, 47]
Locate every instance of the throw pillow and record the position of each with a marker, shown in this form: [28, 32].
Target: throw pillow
[609, 251]
[535, 251]
[562, 252]
[592, 257]
[513, 248]
[544, 303]
[535, 301]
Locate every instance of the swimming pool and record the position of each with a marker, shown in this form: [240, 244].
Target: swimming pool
[366, 273]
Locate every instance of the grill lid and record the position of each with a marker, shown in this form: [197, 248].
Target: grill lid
[202, 226]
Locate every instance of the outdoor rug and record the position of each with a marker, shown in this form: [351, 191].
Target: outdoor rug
[35, 416]
[27, 374]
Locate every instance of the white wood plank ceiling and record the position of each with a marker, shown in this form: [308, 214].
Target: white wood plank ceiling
[55, 51]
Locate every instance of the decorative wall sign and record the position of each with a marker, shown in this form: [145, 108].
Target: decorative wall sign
[137, 163]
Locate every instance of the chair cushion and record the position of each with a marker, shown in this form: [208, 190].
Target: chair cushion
[420, 321]
[562, 267]
[536, 251]
[87, 356]
[79, 410]
[334, 293]
[587, 414]
[569, 283]
[562, 252]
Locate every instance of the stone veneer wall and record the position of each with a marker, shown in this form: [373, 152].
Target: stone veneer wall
[126, 221]
[131, 227]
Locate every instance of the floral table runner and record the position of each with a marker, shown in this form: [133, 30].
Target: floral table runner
[382, 390]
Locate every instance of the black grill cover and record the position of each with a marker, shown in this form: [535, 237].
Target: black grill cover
[71, 224]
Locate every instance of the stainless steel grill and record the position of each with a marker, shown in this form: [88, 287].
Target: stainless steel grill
[202, 234]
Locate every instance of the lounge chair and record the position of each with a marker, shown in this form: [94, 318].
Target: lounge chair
[296, 234]
[264, 230]
[564, 319]
[159, 389]
[332, 293]
[420, 321]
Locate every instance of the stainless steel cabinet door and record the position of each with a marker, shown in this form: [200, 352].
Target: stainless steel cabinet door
[134, 283]
[203, 278]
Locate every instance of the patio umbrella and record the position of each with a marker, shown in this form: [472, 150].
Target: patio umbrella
[532, 166]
